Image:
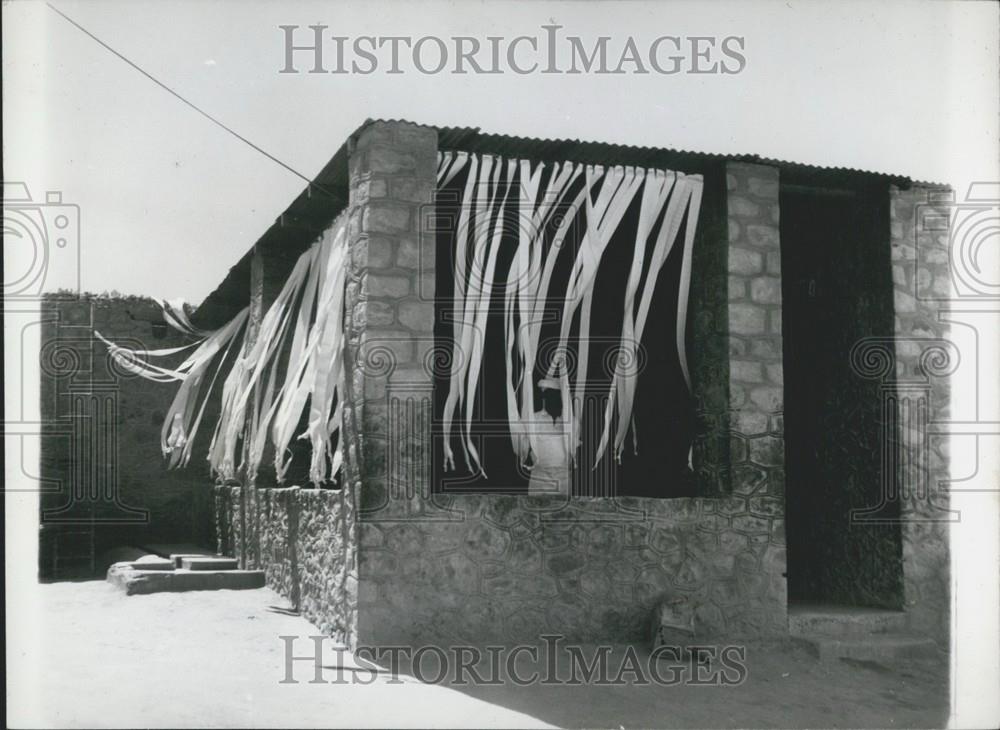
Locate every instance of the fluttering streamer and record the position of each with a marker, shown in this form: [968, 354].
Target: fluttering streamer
[293, 365]
[669, 199]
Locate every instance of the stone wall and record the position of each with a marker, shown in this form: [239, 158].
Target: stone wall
[305, 544]
[917, 380]
[506, 568]
[105, 483]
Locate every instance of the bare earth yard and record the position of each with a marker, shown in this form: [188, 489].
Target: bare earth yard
[96, 658]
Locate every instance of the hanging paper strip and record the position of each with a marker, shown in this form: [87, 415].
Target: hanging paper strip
[667, 201]
[293, 366]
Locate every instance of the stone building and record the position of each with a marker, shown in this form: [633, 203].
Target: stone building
[817, 362]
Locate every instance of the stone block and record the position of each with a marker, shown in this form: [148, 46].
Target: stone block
[412, 255]
[379, 217]
[743, 207]
[417, 315]
[380, 252]
[737, 449]
[392, 286]
[904, 302]
[747, 319]
[745, 262]
[413, 189]
[390, 160]
[774, 321]
[748, 422]
[424, 285]
[767, 398]
[731, 541]
[767, 451]
[750, 524]
[762, 187]
[383, 349]
[746, 371]
[765, 236]
[374, 313]
[766, 290]
[737, 288]
[766, 348]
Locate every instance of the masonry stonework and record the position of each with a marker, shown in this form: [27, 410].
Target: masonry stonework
[918, 384]
[386, 559]
[755, 349]
[305, 547]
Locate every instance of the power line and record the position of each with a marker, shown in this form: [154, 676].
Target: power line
[194, 106]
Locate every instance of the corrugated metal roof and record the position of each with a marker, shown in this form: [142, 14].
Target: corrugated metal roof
[473, 139]
[316, 206]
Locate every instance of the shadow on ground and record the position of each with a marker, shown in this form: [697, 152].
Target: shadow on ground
[91, 656]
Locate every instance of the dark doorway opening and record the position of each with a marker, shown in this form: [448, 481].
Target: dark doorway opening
[837, 289]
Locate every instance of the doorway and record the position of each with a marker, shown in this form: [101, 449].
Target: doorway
[837, 289]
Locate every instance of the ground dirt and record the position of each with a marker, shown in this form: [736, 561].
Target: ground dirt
[93, 657]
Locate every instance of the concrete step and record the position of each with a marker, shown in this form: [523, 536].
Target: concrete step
[152, 562]
[814, 621]
[883, 648]
[179, 557]
[141, 582]
[208, 563]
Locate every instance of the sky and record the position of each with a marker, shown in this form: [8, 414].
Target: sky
[168, 201]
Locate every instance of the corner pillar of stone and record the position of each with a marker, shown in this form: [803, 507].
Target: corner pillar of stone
[917, 386]
[755, 359]
[390, 327]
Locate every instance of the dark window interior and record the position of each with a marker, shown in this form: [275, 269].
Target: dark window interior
[663, 411]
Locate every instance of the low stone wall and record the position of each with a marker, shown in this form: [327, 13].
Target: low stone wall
[306, 548]
[278, 521]
[508, 568]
